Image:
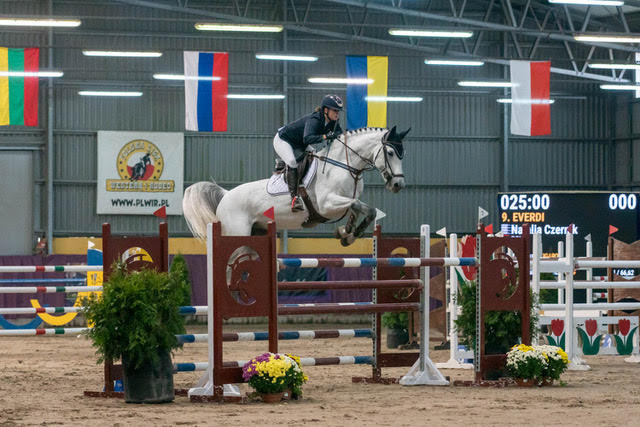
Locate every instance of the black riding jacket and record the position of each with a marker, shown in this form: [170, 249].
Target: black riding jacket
[307, 130]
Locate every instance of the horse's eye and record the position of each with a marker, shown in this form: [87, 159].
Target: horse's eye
[390, 153]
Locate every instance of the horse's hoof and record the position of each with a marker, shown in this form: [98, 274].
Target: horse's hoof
[348, 240]
[339, 233]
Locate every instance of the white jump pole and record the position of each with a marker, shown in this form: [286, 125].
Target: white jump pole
[453, 362]
[577, 364]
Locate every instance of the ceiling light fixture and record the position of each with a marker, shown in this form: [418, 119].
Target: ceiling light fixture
[279, 57]
[620, 87]
[254, 96]
[589, 2]
[31, 73]
[107, 93]
[31, 22]
[122, 53]
[430, 33]
[463, 63]
[393, 98]
[606, 38]
[246, 28]
[183, 77]
[468, 83]
[609, 66]
[340, 80]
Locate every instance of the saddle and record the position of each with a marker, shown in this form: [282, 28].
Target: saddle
[307, 170]
[303, 166]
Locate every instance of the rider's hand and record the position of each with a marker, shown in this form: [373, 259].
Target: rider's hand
[331, 135]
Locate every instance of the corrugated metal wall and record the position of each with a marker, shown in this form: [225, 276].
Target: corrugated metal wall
[454, 151]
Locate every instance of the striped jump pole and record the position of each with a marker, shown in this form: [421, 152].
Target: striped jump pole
[375, 262]
[304, 361]
[187, 309]
[49, 268]
[44, 280]
[345, 307]
[285, 335]
[47, 331]
[361, 284]
[48, 289]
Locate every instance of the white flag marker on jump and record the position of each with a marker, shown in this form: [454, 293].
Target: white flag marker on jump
[379, 214]
[482, 213]
[442, 232]
[588, 237]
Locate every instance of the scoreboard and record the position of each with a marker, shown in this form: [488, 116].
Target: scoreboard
[550, 214]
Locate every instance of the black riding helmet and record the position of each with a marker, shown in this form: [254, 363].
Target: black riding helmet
[333, 102]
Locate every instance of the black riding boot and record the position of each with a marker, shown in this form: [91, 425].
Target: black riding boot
[292, 182]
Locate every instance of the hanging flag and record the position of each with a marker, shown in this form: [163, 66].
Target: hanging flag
[362, 112]
[530, 108]
[205, 90]
[19, 95]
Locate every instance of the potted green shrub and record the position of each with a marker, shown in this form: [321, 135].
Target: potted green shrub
[136, 319]
[503, 328]
[397, 324]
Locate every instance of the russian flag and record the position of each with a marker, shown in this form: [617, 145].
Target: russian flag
[205, 90]
[360, 111]
[530, 108]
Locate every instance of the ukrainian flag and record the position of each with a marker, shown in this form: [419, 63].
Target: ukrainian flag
[361, 112]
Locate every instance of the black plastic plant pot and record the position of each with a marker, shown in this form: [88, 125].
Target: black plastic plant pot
[397, 337]
[148, 383]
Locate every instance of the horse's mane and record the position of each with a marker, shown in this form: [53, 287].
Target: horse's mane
[362, 130]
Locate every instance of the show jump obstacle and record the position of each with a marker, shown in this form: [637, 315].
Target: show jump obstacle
[137, 252]
[242, 282]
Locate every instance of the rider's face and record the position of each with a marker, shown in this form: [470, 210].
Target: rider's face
[333, 115]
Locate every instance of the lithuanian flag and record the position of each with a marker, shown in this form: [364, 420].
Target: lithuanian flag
[18, 94]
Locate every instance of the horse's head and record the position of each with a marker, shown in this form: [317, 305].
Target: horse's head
[388, 159]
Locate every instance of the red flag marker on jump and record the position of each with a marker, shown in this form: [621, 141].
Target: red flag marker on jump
[570, 228]
[269, 213]
[612, 229]
[161, 213]
[489, 229]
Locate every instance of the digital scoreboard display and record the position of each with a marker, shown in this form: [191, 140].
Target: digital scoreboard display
[551, 213]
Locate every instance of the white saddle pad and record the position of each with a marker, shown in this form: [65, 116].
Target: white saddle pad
[277, 185]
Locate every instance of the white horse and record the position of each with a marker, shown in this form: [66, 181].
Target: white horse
[333, 192]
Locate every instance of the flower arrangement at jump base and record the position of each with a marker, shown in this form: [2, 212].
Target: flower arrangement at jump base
[536, 365]
[271, 374]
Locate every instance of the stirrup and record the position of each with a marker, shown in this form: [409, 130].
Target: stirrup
[296, 204]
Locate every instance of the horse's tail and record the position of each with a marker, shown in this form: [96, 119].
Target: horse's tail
[199, 206]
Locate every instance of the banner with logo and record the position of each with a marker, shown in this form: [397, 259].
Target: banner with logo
[139, 172]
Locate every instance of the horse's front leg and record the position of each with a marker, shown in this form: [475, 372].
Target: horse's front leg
[369, 213]
[350, 234]
[346, 231]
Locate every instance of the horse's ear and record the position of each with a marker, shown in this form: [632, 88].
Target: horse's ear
[403, 134]
[392, 134]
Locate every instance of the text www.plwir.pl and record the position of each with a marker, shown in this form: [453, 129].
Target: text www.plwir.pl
[139, 202]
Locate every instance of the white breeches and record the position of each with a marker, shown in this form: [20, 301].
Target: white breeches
[284, 150]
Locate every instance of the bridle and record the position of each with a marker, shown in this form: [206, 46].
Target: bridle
[386, 172]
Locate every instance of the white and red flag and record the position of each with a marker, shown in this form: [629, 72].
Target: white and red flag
[530, 104]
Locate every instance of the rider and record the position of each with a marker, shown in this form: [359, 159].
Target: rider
[292, 140]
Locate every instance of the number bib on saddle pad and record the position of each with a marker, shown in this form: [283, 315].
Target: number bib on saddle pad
[277, 185]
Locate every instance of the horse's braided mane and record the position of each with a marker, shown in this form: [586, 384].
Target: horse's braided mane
[366, 129]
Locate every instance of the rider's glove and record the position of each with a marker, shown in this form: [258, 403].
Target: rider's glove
[331, 135]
